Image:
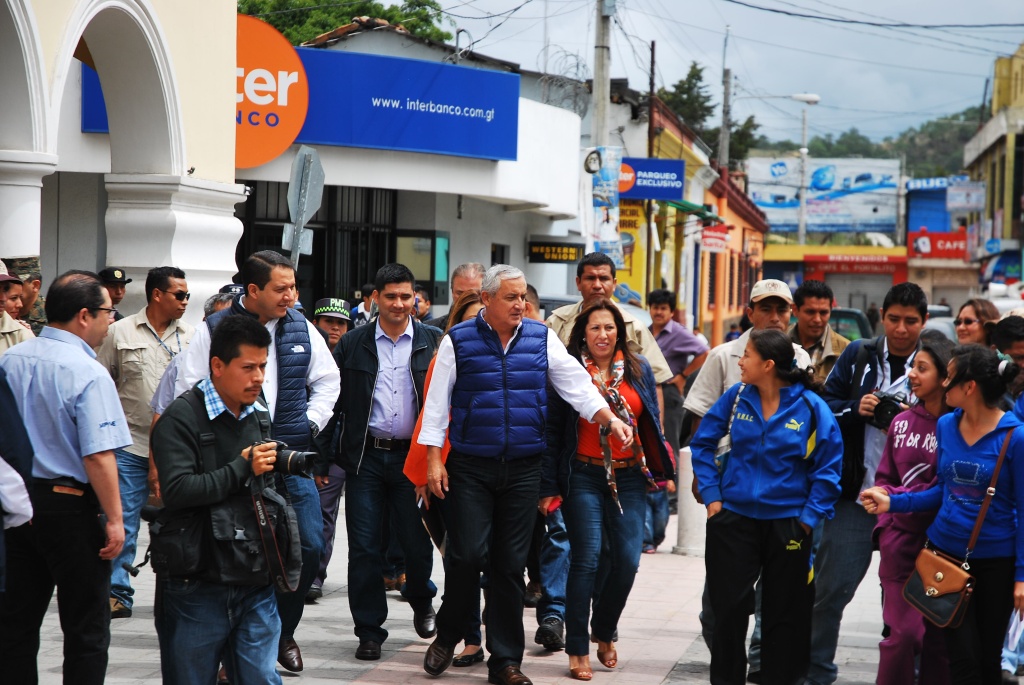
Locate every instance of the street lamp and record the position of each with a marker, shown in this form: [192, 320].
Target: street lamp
[807, 99]
[801, 225]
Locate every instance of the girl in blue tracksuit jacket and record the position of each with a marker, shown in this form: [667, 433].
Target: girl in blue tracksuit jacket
[779, 480]
[969, 442]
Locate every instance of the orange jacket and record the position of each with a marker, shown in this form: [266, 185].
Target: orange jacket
[416, 461]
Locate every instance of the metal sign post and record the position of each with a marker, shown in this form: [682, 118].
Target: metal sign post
[305, 193]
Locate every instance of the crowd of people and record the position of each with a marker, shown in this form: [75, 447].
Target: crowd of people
[512, 446]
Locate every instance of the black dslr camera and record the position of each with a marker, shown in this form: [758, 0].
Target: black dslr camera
[292, 462]
[889, 405]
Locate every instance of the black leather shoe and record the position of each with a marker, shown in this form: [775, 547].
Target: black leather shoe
[550, 634]
[423, 621]
[438, 657]
[289, 656]
[368, 650]
[469, 659]
[510, 675]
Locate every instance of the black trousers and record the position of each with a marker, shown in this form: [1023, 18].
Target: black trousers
[488, 500]
[975, 648]
[60, 547]
[738, 550]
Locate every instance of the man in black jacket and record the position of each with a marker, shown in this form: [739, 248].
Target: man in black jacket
[218, 609]
[383, 367]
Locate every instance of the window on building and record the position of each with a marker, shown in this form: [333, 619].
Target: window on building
[712, 278]
[500, 254]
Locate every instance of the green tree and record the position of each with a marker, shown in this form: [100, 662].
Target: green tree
[690, 99]
[303, 20]
[742, 139]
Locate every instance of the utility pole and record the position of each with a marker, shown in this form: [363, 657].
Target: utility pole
[602, 79]
[801, 226]
[723, 135]
[651, 228]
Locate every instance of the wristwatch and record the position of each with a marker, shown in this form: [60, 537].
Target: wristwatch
[314, 430]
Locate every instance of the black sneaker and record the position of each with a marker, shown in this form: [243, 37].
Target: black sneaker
[314, 593]
[550, 634]
[754, 676]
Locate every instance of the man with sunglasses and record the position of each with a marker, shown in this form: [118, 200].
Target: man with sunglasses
[136, 352]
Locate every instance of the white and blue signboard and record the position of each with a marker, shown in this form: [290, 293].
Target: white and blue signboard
[389, 103]
[644, 178]
[842, 194]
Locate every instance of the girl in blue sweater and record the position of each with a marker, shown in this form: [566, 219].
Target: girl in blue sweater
[969, 441]
[780, 479]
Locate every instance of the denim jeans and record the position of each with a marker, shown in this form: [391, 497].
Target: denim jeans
[593, 520]
[306, 502]
[840, 564]
[202, 624]
[330, 504]
[492, 504]
[554, 568]
[132, 472]
[656, 518]
[379, 485]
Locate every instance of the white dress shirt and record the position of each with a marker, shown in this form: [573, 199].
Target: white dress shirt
[322, 376]
[570, 380]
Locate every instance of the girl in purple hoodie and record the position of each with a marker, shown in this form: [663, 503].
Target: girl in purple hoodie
[909, 465]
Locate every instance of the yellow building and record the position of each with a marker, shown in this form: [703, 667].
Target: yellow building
[995, 156]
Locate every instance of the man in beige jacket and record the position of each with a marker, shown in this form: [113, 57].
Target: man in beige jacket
[11, 332]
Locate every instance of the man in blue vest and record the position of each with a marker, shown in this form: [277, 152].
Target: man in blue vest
[491, 376]
[301, 386]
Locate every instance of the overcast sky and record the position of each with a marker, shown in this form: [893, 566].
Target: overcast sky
[880, 80]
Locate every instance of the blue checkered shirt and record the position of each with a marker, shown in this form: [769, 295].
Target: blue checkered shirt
[215, 405]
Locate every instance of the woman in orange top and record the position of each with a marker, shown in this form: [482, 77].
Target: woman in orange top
[604, 485]
[465, 308]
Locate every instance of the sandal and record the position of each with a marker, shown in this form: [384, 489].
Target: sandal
[608, 657]
[581, 672]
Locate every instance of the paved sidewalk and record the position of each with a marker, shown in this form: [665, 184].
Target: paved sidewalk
[659, 635]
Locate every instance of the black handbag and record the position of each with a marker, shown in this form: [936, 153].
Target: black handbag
[941, 586]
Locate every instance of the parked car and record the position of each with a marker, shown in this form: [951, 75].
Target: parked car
[939, 310]
[852, 324]
[943, 324]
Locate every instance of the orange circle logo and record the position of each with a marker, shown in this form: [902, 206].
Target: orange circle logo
[271, 93]
[627, 178]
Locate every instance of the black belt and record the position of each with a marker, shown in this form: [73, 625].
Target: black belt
[387, 444]
[62, 486]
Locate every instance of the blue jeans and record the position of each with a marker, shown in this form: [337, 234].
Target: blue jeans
[202, 624]
[330, 504]
[593, 520]
[656, 518]
[554, 568]
[306, 502]
[840, 564]
[132, 472]
[379, 485]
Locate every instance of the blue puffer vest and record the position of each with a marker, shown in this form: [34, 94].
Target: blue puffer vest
[499, 402]
[294, 352]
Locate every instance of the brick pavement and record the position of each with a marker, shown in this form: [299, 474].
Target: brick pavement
[660, 635]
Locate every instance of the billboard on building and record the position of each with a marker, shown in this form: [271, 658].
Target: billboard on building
[966, 197]
[842, 194]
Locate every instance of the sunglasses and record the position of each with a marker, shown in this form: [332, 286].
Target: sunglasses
[111, 312]
[966, 321]
[179, 295]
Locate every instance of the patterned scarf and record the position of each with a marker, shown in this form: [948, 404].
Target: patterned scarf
[619, 406]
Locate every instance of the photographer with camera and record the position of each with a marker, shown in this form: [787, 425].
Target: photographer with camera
[866, 389]
[215, 588]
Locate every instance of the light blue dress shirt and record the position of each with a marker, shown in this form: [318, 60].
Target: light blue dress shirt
[68, 401]
[394, 410]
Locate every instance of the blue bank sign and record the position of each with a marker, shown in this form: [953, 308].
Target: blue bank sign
[388, 103]
[643, 178]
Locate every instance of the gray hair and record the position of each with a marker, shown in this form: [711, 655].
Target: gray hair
[467, 270]
[498, 273]
[210, 306]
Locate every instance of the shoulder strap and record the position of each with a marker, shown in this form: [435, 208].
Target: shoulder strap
[863, 354]
[207, 439]
[735, 403]
[812, 436]
[989, 494]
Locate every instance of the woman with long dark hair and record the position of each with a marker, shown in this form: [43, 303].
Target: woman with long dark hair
[969, 442]
[765, 488]
[971, 319]
[909, 464]
[603, 485]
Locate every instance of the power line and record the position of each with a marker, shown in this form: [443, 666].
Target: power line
[862, 22]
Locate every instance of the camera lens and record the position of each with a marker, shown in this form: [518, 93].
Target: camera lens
[293, 462]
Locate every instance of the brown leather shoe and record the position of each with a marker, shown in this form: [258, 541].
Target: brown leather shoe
[510, 675]
[289, 656]
[438, 657]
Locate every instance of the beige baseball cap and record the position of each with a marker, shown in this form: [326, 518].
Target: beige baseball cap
[771, 287]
